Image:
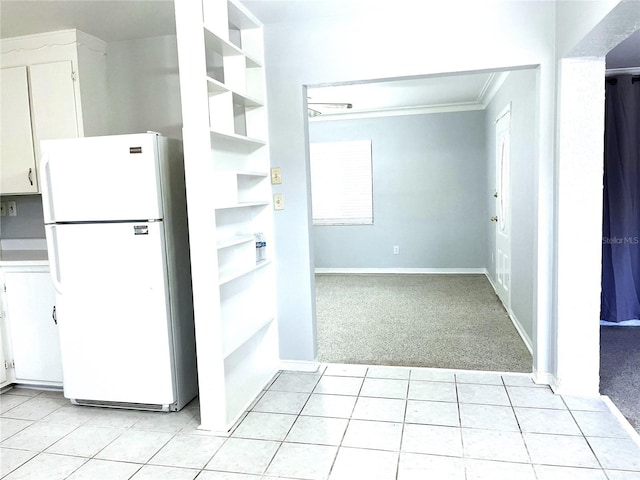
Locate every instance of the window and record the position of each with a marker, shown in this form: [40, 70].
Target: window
[341, 183]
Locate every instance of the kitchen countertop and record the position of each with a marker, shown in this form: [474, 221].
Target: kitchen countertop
[23, 257]
[23, 252]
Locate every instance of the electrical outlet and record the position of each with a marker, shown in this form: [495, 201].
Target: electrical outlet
[13, 208]
[3, 209]
[278, 201]
[396, 250]
[276, 176]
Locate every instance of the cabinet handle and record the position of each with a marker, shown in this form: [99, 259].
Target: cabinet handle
[54, 316]
[29, 177]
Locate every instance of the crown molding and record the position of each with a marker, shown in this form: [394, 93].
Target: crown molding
[395, 112]
[491, 87]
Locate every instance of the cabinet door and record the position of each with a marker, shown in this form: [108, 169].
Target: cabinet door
[3, 358]
[34, 335]
[17, 161]
[53, 102]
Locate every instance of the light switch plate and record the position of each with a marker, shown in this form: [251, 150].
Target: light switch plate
[276, 176]
[13, 208]
[278, 201]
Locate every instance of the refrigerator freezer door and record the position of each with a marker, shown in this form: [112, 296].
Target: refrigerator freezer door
[101, 179]
[113, 312]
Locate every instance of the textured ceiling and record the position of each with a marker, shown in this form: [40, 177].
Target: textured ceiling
[626, 54]
[116, 20]
[107, 20]
[469, 91]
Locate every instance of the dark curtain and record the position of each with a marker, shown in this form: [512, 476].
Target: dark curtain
[621, 220]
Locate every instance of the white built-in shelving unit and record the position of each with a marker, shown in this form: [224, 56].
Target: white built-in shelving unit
[225, 136]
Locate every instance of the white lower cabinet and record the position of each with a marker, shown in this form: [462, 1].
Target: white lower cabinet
[4, 358]
[29, 321]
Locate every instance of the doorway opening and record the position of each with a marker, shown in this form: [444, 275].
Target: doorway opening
[620, 304]
[418, 286]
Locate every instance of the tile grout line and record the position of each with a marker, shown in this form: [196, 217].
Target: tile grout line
[520, 432]
[404, 423]
[292, 424]
[281, 442]
[193, 415]
[584, 437]
[463, 458]
[335, 459]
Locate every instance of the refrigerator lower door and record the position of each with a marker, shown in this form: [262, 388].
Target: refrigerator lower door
[113, 312]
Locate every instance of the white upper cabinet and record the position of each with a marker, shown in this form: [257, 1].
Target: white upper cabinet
[53, 102]
[41, 94]
[17, 161]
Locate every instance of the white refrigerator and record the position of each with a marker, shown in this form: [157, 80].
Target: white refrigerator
[117, 236]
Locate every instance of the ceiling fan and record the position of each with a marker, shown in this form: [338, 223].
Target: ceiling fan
[314, 112]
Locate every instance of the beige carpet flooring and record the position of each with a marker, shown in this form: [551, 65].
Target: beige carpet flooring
[620, 370]
[442, 321]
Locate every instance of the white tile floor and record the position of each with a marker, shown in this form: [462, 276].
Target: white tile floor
[346, 422]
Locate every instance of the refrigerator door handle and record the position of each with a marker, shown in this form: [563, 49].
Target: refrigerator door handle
[54, 263]
[45, 187]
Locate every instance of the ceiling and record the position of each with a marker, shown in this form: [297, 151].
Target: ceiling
[460, 92]
[108, 20]
[626, 54]
[116, 20]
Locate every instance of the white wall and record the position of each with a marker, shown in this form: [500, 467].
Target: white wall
[520, 91]
[578, 188]
[402, 39]
[574, 20]
[429, 188]
[380, 43]
[144, 88]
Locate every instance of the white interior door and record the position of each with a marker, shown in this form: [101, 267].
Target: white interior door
[113, 311]
[503, 207]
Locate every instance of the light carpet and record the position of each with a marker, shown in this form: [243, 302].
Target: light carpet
[620, 370]
[442, 321]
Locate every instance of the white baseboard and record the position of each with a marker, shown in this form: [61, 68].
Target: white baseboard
[392, 270]
[545, 378]
[525, 338]
[299, 365]
[552, 381]
[635, 436]
[516, 323]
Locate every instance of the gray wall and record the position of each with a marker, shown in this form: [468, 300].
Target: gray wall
[29, 223]
[429, 186]
[520, 89]
[143, 86]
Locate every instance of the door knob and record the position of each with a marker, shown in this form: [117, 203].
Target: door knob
[494, 218]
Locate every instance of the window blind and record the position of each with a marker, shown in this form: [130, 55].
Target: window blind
[341, 183]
